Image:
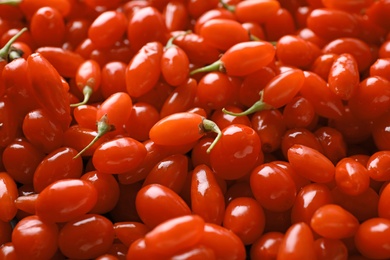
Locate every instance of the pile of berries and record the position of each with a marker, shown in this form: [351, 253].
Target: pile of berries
[194, 129]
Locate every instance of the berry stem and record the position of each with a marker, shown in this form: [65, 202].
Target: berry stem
[6, 48]
[210, 126]
[216, 66]
[230, 8]
[10, 2]
[103, 127]
[257, 106]
[15, 54]
[173, 38]
[87, 91]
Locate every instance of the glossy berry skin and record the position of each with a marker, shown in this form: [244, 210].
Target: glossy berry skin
[59, 164]
[22, 171]
[280, 24]
[270, 127]
[223, 242]
[113, 78]
[236, 152]
[322, 64]
[347, 5]
[299, 112]
[332, 221]
[377, 166]
[176, 16]
[65, 200]
[380, 68]
[87, 236]
[155, 153]
[177, 129]
[107, 28]
[197, 252]
[247, 57]
[332, 24]
[143, 71]
[330, 249]
[175, 235]
[372, 238]
[129, 231]
[351, 177]
[317, 167]
[253, 83]
[273, 187]
[359, 49]
[42, 131]
[380, 133]
[85, 116]
[117, 107]
[174, 65]
[6, 231]
[40, 244]
[372, 93]
[77, 137]
[88, 75]
[212, 14]
[15, 82]
[170, 172]
[333, 143]
[174, 165]
[308, 200]
[180, 99]
[297, 243]
[139, 23]
[107, 189]
[245, 217]
[29, 7]
[207, 198]
[54, 100]
[198, 51]
[143, 117]
[267, 246]
[295, 51]
[283, 88]
[223, 33]
[301, 136]
[368, 203]
[343, 78]
[58, 57]
[256, 11]
[138, 250]
[223, 120]
[47, 27]
[8, 195]
[383, 200]
[317, 92]
[118, 155]
[216, 90]
[156, 203]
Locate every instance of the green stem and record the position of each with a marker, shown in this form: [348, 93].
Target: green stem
[259, 105]
[216, 66]
[210, 126]
[10, 2]
[253, 37]
[15, 54]
[103, 127]
[173, 38]
[6, 48]
[87, 91]
[230, 8]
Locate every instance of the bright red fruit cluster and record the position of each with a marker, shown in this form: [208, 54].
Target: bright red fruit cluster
[195, 129]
